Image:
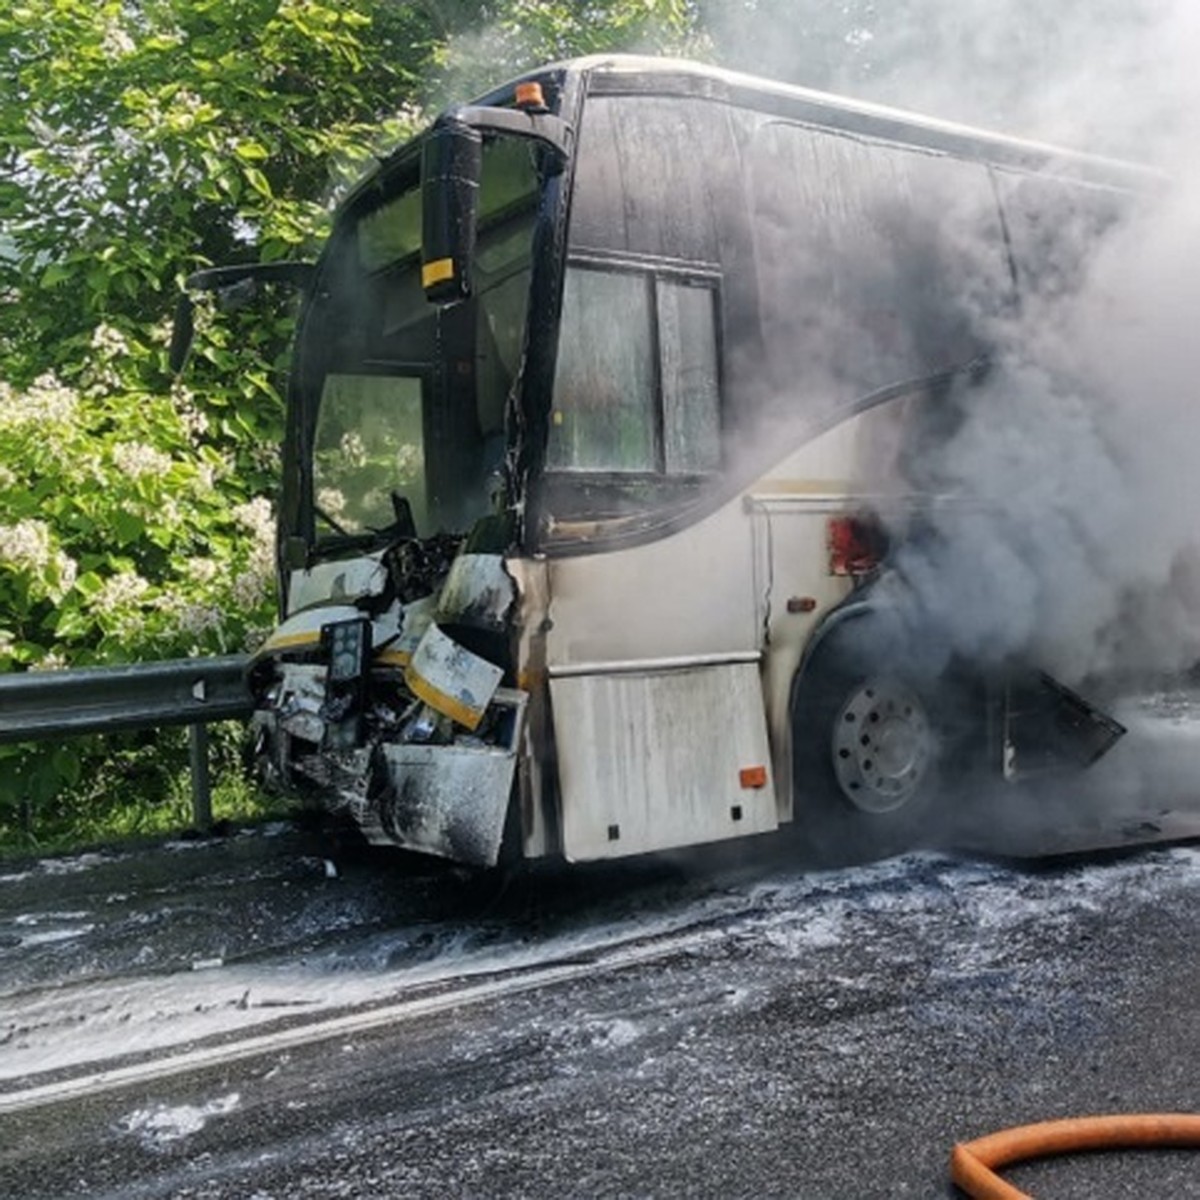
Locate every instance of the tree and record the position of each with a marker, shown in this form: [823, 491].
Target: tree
[139, 140]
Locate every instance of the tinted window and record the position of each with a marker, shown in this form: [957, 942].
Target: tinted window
[1054, 225]
[691, 416]
[603, 415]
[876, 263]
[649, 176]
[369, 440]
[636, 388]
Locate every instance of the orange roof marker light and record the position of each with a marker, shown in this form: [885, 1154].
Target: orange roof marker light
[529, 97]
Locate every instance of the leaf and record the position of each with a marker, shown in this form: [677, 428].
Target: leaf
[54, 274]
[258, 181]
[71, 626]
[127, 527]
[250, 151]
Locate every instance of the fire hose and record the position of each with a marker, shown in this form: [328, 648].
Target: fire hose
[973, 1164]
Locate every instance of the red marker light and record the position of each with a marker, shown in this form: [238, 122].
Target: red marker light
[856, 545]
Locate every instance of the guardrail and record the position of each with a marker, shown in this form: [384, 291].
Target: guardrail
[38, 705]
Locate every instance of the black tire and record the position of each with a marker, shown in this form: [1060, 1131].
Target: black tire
[877, 741]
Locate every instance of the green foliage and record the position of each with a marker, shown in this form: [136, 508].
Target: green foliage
[139, 141]
[141, 792]
[523, 34]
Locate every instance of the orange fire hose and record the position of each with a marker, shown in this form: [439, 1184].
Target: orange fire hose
[972, 1163]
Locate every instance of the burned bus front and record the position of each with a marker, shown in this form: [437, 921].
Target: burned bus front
[388, 692]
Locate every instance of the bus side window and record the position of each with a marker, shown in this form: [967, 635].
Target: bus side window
[603, 415]
[876, 262]
[618, 410]
[1054, 226]
[687, 338]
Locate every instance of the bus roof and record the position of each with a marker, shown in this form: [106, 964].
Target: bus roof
[629, 74]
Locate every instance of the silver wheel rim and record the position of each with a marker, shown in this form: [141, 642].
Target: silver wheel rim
[882, 746]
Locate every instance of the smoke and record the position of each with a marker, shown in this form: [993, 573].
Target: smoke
[1066, 529]
[1112, 76]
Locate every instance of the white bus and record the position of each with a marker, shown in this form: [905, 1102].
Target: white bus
[595, 391]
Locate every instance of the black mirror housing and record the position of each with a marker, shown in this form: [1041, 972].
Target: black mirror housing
[451, 163]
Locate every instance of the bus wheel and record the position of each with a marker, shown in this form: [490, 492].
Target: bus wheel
[869, 749]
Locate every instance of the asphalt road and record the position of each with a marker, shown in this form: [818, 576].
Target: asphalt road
[785, 1033]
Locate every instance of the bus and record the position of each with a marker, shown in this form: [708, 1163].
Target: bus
[588, 520]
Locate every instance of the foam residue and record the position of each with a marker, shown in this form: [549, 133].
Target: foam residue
[160, 1125]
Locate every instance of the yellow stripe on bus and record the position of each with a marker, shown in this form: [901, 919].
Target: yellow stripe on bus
[394, 658]
[447, 705]
[287, 640]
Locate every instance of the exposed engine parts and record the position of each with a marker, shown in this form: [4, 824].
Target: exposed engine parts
[375, 707]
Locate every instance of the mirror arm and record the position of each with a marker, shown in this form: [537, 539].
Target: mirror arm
[212, 279]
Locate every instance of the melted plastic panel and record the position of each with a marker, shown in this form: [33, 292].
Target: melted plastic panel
[452, 800]
[651, 759]
[343, 582]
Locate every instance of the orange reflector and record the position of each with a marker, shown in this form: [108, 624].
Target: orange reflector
[529, 95]
[753, 777]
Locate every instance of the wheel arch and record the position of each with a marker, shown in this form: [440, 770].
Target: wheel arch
[853, 608]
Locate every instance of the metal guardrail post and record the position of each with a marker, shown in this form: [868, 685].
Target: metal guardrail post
[201, 792]
[41, 705]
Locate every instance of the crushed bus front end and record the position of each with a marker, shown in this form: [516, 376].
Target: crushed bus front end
[384, 696]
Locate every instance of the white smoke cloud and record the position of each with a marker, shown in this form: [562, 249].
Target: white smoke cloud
[1073, 539]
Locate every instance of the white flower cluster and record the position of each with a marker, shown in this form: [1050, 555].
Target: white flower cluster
[108, 341]
[109, 347]
[190, 617]
[256, 516]
[331, 500]
[409, 462]
[353, 448]
[26, 544]
[187, 101]
[194, 422]
[120, 591]
[51, 661]
[117, 43]
[8, 478]
[45, 402]
[253, 585]
[138, 460]
[29, 546]
[201, 571]
[266, 457]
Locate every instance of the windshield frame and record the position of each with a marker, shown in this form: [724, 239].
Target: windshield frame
[298, 529]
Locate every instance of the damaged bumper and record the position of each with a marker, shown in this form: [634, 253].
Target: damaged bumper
[391, 709]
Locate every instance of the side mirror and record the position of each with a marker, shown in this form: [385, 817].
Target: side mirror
[451, 161]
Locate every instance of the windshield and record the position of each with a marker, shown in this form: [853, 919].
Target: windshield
[369, 444]
[406, 407]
